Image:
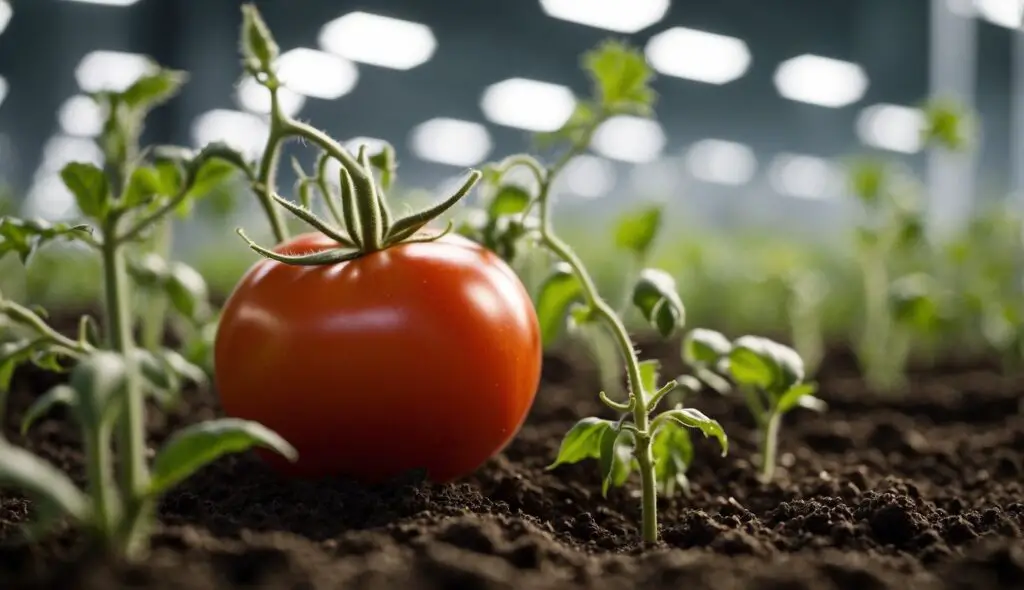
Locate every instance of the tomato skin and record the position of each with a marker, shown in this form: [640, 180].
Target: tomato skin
[424, 355]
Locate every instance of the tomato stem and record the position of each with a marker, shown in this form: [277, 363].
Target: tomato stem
[266, 177]
[603, 310]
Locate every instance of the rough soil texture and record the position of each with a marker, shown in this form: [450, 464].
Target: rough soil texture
[920, 492]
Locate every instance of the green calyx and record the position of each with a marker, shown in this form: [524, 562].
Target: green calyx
[361, 221]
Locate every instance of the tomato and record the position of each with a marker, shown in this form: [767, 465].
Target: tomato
[423, 355]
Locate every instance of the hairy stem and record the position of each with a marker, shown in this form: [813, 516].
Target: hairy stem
[604, 311]
[266, 177]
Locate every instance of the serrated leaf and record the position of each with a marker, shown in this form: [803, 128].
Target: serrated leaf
[655, 295]
[794, 395]
[559, 291]
[616, 458]
[60, 395]
[636, 230]
[208, 182]
[194, 447]
[509, 199]
[621, 77]
[24, 237]
[704, 348]
[89, 185]
[154, 89]
[692, 418]
[42, 481]
[583, 441]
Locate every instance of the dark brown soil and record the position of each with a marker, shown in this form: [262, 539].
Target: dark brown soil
[920, 492]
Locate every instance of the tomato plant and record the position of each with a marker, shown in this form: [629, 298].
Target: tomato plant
[424, 355]
[373, 345]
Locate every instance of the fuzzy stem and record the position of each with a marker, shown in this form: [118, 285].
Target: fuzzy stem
[266, 177]
[601, 309]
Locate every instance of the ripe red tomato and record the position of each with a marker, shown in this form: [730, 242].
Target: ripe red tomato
[424, 355]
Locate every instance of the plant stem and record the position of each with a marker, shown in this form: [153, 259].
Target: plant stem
[874, 345]
[99, 470]
[131, 436]
[769, 446]
[266, 177]
[601, 309]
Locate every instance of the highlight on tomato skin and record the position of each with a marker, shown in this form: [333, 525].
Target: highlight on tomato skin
[425, 355]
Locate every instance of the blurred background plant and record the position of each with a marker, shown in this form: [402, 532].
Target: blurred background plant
[746, 171]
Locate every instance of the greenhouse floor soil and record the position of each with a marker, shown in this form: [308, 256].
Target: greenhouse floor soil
[920, 492]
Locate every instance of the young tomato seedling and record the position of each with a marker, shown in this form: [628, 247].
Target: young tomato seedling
[769, 375]
[654, 444]
[372, 344]
[121, 204]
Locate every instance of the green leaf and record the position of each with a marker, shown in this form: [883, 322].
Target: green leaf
[24, 237]
[144, 184]
[621, 77]
[509, 200]
[89, 185]
[948, 124]
[7, 367]
[42, 481]
[794, 396]
[649, 375]
[193, 447]
[575, 131]
[913, 301]
[636, 230]
[760, 362]
[98, 380]
[656, 297]
[210, 182]
[868, 178]
[154, 89]
[149, 271]
[704, 348]
[692, 418]
[560, 290]
[187, 291]
[616, 458]
[60, 395]
[673, 455]
[583, 441]
[258, 45]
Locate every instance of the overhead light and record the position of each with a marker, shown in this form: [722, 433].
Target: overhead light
[721, 162]
[254, 97]
[629, 138]
[317, 74]
[451, 141]
[61, 150]
[620, 16]
[111, 70]
[806, 177]
[243, 131]
[108, 2]
[821, 80]
[657, 178]
[49, 198]
[1005, 13]
[588, 176]
[3, 89]
[891, 127]
[6, 12]
[528, 104]
[379, 40]
[80, 116]
[698, 55]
